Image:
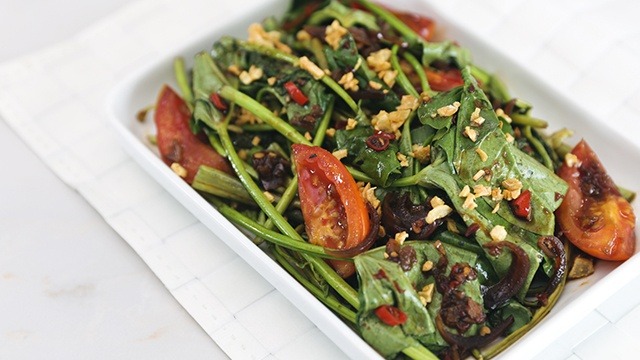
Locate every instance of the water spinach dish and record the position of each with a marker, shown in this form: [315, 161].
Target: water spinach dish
[392, 177]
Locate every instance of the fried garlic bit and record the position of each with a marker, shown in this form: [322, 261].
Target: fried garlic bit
[271, 39]
[334, 34]
[391, 122]
[369, 194]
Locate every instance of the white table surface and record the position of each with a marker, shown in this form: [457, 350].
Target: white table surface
[72, 288]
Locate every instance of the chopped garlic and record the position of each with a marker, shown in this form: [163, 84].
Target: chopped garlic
[404, 162]
[479, 174]
[351, 124]
[438, 212]
[449, 110]
[470, 133]
[311, 68]
[426, 294]
[334, 34]
[483, 155]
[349, 82]
[427, 266]
[401, 237]
[340, 154]
[179, 170]
[470, 202]
[571, 160]
[498, 233]
[436, 201]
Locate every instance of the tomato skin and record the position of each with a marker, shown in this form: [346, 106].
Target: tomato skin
[444, 80]
[335, 214]
[390, 315]
[422, 25]
[593, 215]
[176, 142]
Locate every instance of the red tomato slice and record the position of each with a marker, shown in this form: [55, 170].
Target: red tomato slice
[176, 142]
[390, 315]
[422, 25]
[444, 80]
[593, 215]
[335, 214]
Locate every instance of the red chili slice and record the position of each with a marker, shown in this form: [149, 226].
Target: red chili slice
[521, 206]
[390, 315]
[218, 102]
[295, 93]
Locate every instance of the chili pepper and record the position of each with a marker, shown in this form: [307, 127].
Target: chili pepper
[391, 315]
[295, 93]
[218, 102]
[521, 206]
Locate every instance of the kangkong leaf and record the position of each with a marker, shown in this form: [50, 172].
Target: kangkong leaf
[504, 161]
[383, 166]
[383, 282]
[446, 51]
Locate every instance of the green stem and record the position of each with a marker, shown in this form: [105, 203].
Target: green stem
[402, 78]
[180, 72]
[627, 194]
[321, 131]
[407, 181]
[272, 236]
[263, 113]
[395, 23]
[450, 238]
[338, 283]
[219, 183]
[330, 301]
[327, 80]
[360, 176]
[419, 69]
[419, 352]
[256, 127]
[284, 202]
[316, 49]
[215, 143]
[480, 75]
[526, 120]
[546, 160]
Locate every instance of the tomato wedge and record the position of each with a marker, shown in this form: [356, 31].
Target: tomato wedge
[176, 142]
[335, 213]
[444, 80]
[422, 25]
[593, 215]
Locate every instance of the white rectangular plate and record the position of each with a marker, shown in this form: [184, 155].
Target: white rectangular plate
[579, 298]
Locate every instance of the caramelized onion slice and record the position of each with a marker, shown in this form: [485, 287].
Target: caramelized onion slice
[462, 344]
[400, 214]
[552, 247]
[366, 243]
[498, 293]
